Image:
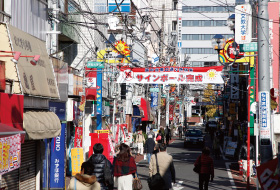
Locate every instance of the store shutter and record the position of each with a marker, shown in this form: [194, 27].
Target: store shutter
[10, 180]
[27, 170]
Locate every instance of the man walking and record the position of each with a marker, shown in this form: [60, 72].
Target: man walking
[140, 140]
[99, 162]
[149, 147]
[180, 129]
[166, 167]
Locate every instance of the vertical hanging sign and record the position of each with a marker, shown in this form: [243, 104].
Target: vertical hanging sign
[57, 171]
[99, 100]
[264, 119]
[243, 24]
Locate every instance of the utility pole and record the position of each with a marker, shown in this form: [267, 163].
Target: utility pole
[162, 34]
[264, 82]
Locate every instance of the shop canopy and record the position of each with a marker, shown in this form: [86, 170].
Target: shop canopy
[8, 130]
[41, 125]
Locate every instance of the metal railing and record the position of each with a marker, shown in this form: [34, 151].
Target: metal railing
[4, 17]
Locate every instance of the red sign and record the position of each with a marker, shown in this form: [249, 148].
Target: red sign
[2, 76]
[78, 142]
[268, 174]
[91, 91]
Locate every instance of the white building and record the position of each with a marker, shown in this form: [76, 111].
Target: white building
[201, 20]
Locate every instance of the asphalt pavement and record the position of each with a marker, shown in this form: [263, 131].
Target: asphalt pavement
[184, 159]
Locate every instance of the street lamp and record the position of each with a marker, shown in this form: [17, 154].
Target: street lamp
[231, 22]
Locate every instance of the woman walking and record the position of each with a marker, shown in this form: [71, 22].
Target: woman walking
[124, 168]
[206, 168]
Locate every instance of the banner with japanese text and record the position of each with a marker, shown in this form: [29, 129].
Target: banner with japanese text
[171, 75]
[268, 174]
[57, 166]
[78, 141]
[10, 153]
[77, 158]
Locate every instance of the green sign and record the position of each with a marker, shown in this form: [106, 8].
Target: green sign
[163, 95]
[253, 46]
[92, 64]
[179, 102]
[154, 89]
[171, 98]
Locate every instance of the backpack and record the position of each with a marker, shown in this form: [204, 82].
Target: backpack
[108, 176]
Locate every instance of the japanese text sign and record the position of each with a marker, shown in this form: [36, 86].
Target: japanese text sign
[243, 24]
[264, 119]
[77, 158]
[78, 137]
[171, 75]
[57, 166]
[10, 153]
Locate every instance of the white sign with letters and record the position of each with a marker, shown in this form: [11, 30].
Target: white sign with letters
[264, 110]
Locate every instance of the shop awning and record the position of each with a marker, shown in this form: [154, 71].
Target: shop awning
[145, 105]
[7, 130]
[41, 125]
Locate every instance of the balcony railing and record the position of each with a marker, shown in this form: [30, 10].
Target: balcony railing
[4, 17]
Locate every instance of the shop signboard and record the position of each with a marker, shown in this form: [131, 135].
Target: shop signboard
[59, 108]
[171, 75]
[264, 108]
[243, 23]
[154, 89]
[78, 140]
[57, 166]
[234, 81]
[99, 99]
[250, 47]
[124, 6]
[98, 65]
[77, 158]
[268, 174]
[10, 153]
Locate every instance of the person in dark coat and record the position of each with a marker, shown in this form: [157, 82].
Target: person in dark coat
[149, 147]
[98, 161]
[206, 168]
[167, 135]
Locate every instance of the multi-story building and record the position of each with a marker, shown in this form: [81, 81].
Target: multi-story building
[200, 21]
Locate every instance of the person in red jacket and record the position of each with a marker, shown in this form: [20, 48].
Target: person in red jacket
[206, 168]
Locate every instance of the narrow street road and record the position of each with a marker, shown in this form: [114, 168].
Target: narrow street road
[184, 159]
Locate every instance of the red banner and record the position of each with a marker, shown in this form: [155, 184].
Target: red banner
[268, 174]
[78, 142]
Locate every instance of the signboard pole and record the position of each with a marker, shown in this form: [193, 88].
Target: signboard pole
[264, 82]
[99, 100]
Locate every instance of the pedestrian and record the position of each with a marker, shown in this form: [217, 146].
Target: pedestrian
[84, 180]
[243, 158]
[124, 168]
[140, 140]
[165, 164]
[149, 147]
[216, 146]
[159, 137]
[98, 162]
[180, 129]
[151, 132]
[206, 168]
[167, 135]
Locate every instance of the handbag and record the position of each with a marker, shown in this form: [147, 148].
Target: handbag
[136, 184]
[197, 167]
[158, 138]
[156, 181]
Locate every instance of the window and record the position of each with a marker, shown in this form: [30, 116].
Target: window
[203, 23]
[198, 51]
[192, 9]
[175, 3]
[174, 25]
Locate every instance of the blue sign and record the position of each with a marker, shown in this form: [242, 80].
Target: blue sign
[99, 99]
[46, 162]
[124, 7]
[59, 108]
[179, 44]
[264, 119]
[154, 97]
[57, 164]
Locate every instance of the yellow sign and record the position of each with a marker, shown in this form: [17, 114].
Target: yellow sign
[77, 158]
[101, 131]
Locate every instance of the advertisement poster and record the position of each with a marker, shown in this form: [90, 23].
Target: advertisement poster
[57, 166]
[77, 158]
[78, 141]
[10, 153]
[171, 75]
